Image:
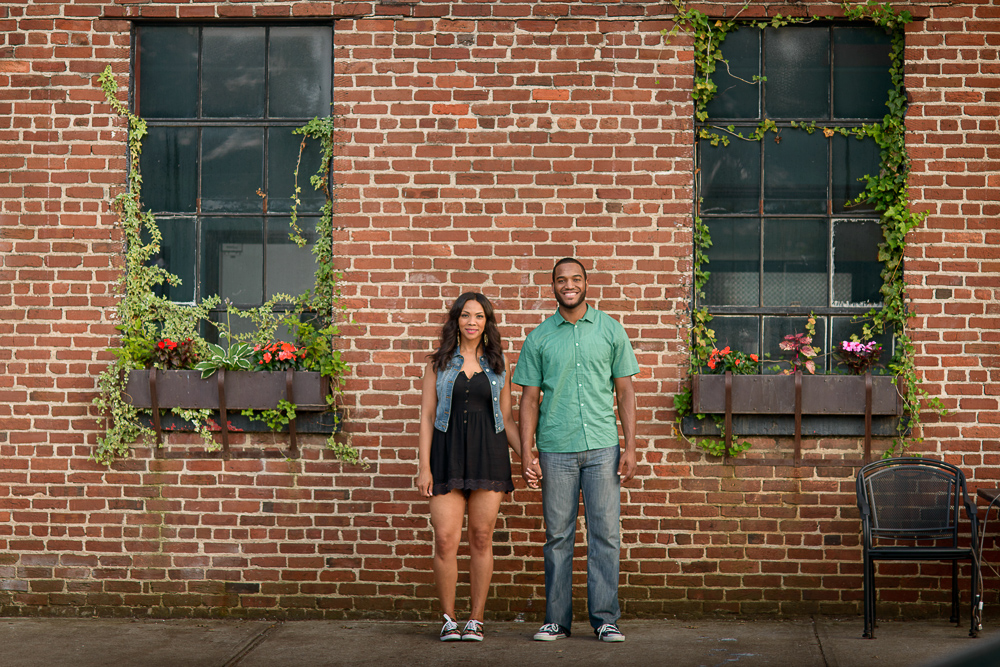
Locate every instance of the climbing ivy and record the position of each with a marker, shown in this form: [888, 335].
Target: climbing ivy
[887, 191]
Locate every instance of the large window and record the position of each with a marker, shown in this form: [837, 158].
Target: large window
[785, 242]
[221, 103]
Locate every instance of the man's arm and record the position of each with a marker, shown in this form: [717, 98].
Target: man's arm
[625, 394]
[528, 415]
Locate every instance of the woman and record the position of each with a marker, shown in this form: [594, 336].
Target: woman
[465, 428]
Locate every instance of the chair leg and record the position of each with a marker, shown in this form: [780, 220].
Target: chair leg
[869, 599]
[976, 620]
[955, 615]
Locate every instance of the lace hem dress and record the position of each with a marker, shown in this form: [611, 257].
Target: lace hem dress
[471, 455]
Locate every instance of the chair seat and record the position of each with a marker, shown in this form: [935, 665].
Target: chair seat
[921, 553]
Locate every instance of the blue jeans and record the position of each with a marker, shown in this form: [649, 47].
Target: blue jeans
[563, 476]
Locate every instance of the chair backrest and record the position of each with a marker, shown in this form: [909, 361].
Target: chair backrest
[911, 498]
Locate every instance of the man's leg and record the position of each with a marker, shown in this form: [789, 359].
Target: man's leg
[560, 507]
[602, 510]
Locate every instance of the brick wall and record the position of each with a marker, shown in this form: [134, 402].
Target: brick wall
[478, 143]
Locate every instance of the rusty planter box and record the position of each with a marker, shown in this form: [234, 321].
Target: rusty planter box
[223, 391]
[792, 396]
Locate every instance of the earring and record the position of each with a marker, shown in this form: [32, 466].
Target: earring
[458, 338]
[486, 341]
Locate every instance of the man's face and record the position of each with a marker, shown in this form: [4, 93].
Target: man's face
[570, 287]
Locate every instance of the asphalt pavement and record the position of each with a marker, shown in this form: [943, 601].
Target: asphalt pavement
[819, 641]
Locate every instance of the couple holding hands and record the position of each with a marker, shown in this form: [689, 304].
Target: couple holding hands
[581, 360]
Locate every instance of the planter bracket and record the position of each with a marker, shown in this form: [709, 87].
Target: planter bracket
[155, 406]
[223, 417]
[293, 444]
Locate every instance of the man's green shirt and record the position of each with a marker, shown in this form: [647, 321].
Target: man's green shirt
[575, 365]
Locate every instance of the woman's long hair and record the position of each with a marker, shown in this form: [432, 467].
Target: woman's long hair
[493, 347]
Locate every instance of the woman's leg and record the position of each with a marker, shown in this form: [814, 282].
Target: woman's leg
[447, 512]
[483, 509]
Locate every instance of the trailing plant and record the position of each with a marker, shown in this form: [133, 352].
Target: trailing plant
[887, 191]
[146, 319]
[201, 421]
[277, 418]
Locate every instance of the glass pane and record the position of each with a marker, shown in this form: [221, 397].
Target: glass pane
[290, 269]
[232, 259]
[177, 255]
[841, 329]
[861, 79]
[853, 159]
[730, 177]
[233, 73]
[737, 96]
[857, 273]
[169, 164]
[232, 169]
[740, 333]
[795, 173]
[734, 262]
[797, 67]
[299, 63]
[282, 156]
[775, 330]
[795, 263]
[167, 72]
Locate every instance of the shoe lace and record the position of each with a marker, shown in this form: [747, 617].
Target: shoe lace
[550, 627]
[473, 625]
[449, 624]
[607, 628]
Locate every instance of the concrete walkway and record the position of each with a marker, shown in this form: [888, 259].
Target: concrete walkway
[819, 642]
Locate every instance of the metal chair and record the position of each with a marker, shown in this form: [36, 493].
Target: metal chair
[910, 511]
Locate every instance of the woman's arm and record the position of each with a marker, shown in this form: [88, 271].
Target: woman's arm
[510, 427]
[428, 409]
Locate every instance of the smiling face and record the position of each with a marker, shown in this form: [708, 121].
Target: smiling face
[472, 321]
[570, 285]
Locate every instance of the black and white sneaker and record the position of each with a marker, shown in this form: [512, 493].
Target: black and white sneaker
[609, 632]
[551, 632]
[450, 631]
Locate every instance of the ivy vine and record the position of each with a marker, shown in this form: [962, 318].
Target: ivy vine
[143, 316]
[887, 191]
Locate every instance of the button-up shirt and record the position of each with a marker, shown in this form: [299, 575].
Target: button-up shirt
[575, 365]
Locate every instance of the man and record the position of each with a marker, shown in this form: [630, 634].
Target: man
[578, 358]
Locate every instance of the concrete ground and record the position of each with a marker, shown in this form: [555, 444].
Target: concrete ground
[819, 641]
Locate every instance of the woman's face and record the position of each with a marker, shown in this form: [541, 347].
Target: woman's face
[472, 321]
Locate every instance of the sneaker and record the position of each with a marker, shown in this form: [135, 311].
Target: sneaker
[450, 631]
[609, 632]
[473, 631]
[551, 632]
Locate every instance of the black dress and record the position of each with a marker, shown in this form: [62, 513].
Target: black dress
[471, 454]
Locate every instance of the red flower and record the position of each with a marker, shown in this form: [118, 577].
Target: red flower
[267, 356]
[160, 345]
[753, 357]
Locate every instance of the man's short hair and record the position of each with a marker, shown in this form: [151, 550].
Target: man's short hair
[569, 260]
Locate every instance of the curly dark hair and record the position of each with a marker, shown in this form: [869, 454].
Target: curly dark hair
[493, 347]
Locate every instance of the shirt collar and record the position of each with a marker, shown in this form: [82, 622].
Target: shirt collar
[587, 316]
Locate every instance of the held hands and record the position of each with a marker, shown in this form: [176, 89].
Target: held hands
[532, 473]
[425, 480]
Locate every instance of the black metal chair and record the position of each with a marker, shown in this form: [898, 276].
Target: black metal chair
[910, 511]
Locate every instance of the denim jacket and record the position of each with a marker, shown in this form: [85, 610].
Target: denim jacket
[446, 384]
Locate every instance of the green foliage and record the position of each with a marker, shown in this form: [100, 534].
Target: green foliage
[275, 419]
[236, 358]
[169, 354]
[345, 452]
[886, 190]
[201, 420]
[143, 317]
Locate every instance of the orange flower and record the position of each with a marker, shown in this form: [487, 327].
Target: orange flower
[753, 357]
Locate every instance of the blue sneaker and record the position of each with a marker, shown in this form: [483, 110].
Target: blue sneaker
[609, 632]
[551, 632]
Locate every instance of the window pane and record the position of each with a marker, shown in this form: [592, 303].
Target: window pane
[735, 98]
[233, 73]
[775, 330]
[299, 63]
[841, 329]
[177, 255]
[169, 162]
[282, 156]
[168, 72]
[232, 259]
[797, 67]
[232, 169]
[795, 173]
[290, 269]
[734, 262]
[730, 177]
[740, 333]
[852, 160]
[857, 273]
[861, 80]
[795, 263]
